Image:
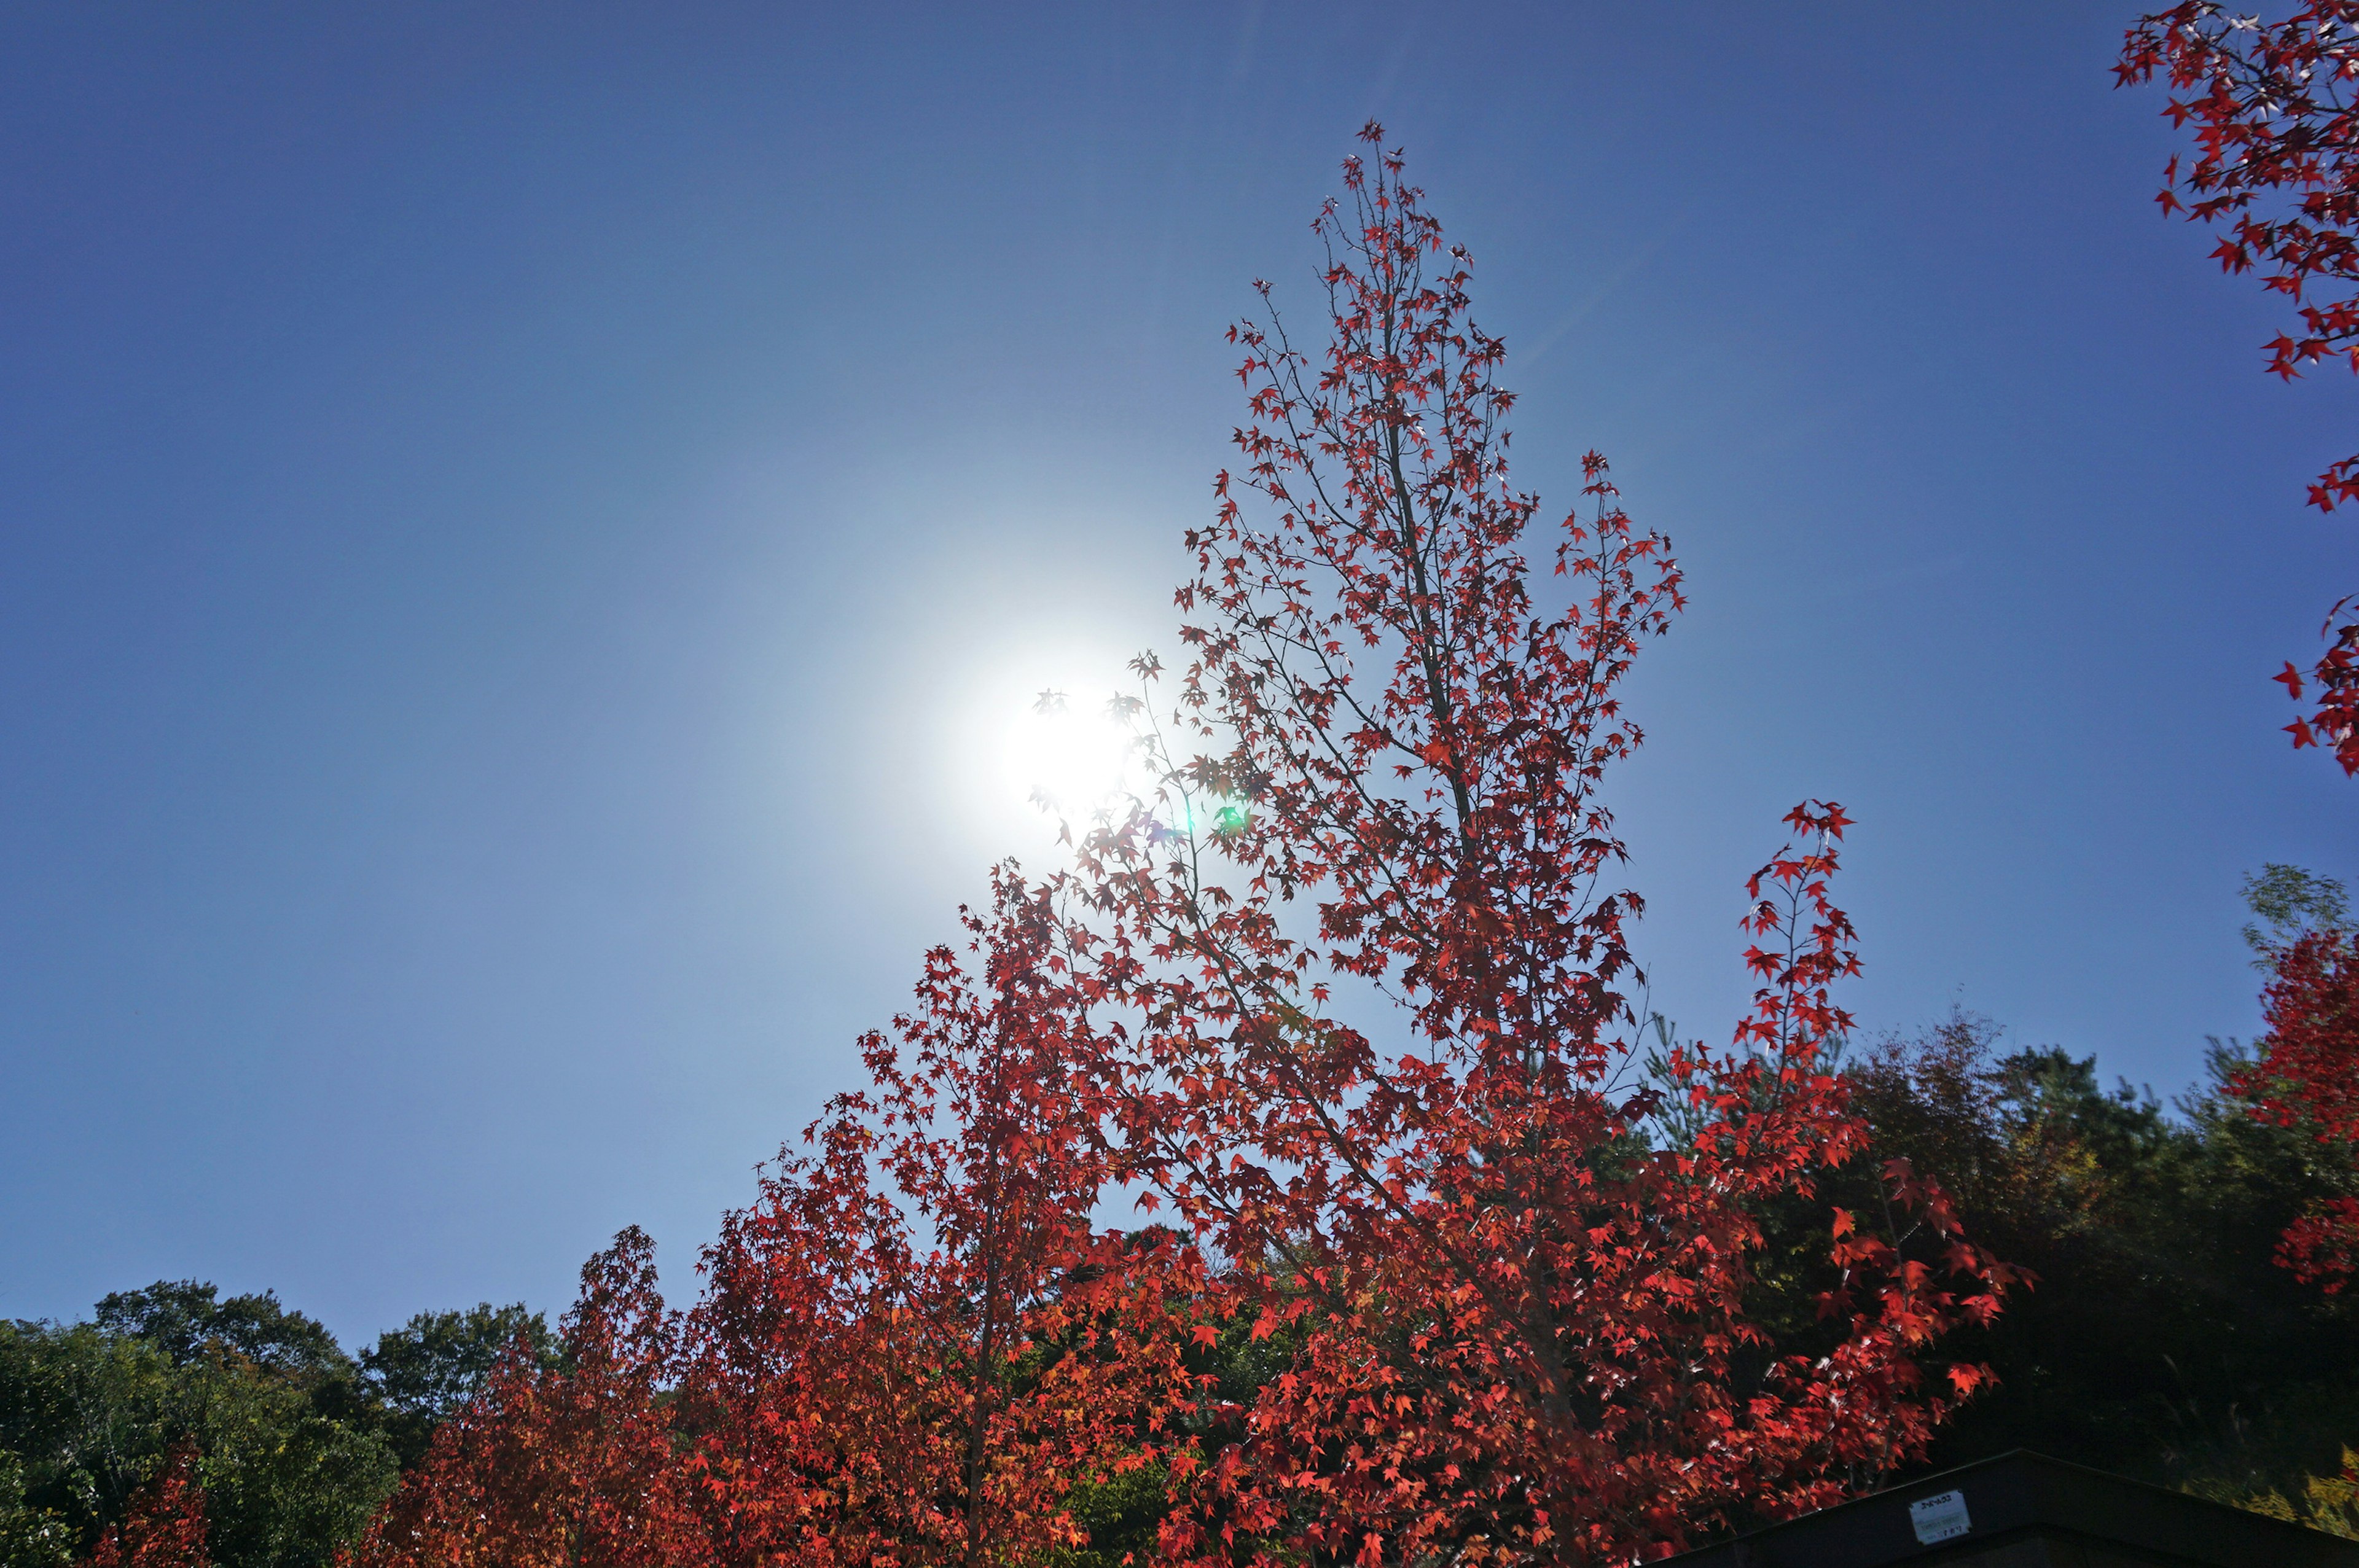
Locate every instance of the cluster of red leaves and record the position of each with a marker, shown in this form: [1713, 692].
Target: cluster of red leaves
[165, 1526]
[556, 1468]
[869, 1395]
[2306, 1075]
[2276, 167]
[2336, 718]
[1370, 974]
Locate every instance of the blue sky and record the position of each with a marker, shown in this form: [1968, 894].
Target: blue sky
[521, 528]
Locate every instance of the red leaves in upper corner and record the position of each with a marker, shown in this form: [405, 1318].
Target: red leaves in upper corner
[2276, 139]
[2274, 108]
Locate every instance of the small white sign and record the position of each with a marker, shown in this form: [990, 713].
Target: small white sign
[1940, 1519]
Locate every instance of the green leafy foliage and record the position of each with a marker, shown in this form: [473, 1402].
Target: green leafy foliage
[188, 1323]
[423, 1371]
[296, 1442]
[2286, 902]
[30, 1536]
[88, 1412]
[2162, 1339]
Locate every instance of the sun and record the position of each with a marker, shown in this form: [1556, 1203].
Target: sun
[1066, 756]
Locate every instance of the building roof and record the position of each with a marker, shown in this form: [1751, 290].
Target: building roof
[2004, 1511]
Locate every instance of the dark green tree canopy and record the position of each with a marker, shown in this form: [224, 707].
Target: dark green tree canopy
[188, 1322]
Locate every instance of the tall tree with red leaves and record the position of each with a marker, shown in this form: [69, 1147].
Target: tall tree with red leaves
[2277, 169]
[570, 1467]
[1350, 992]
[917, 1344]
[1371, 977]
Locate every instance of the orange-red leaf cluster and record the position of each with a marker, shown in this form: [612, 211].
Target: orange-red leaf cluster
[2274, 108]
[2307, 1077]
[165, 1526]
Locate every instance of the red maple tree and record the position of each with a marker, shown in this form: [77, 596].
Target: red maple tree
[2276, 167]
[917, 1344]
[572, 1466]
[2306, 1075]
[165, 1526]
[1372, 975]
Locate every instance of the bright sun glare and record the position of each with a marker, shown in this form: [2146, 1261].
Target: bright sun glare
[1067, 753]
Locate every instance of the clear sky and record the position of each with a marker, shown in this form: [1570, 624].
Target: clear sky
[522, 529]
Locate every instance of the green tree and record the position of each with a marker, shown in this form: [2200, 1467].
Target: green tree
[2287, 901]
[297, 1442]
[186, 1321]
[427, 1369]
[2161, 1340]
[30, 1537]
[89, 1412]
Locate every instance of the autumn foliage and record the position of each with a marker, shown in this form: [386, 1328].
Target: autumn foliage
[574, 1465]
[2276, 169]
[917, 1344]
[909, 1351]
[164, 1527]
[1341, 993]
[2307, 1077]
[1375, 977]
